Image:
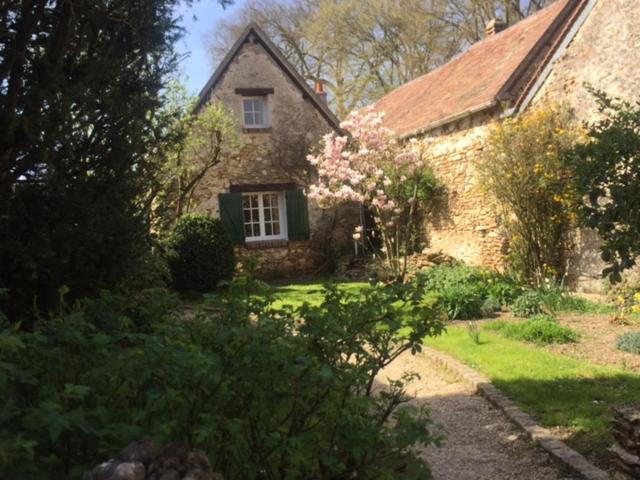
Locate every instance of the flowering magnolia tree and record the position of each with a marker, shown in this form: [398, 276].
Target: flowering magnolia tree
[369, 166]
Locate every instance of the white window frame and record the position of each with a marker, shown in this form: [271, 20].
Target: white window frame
[282, 216]
[265, 112]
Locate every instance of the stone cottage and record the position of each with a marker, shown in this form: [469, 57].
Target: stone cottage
[546, 57]
[259, 194]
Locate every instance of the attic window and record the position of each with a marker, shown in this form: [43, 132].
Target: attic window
[255, 112]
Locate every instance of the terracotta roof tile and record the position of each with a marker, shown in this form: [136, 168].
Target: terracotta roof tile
[471, 81]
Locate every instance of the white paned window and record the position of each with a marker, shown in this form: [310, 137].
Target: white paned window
[264, 216]
[255, 112]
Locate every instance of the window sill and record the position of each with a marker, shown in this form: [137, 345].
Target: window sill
[256, 130]
[266, 244]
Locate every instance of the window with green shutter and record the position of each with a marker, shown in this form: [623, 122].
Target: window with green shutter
[297, 215]
[231, 215]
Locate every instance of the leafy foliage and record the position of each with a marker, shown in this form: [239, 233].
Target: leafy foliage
[80, 93]
[608, 166]
[626, 298]
[200, 254]
[540, 328]
[529, 304]
[548, 299]
[629, 342]
[466, 292]
[265, 393]
[195, 143]
[525, 169]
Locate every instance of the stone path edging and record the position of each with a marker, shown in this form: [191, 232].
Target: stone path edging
[544, 437]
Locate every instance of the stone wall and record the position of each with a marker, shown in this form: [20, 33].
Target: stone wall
[276, 155]
[605, 53]
[466, 225]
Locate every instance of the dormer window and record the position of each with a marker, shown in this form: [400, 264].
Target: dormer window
[255, 112]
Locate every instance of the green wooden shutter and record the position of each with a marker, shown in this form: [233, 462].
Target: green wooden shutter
[297, 215]
[231, 215]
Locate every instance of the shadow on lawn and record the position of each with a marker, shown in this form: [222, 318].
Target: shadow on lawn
[577, 407]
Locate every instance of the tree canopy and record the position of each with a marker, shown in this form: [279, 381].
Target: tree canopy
[364, 49]
[81, 88]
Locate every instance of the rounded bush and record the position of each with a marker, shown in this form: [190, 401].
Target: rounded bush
[528, 304]
[629, 342]
[200, 254]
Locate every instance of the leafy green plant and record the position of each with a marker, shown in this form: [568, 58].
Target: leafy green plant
[629, 342]
[200, 254]
[549, 298]
[608, 164]
[467, 292]
[528, 304]
[262, 392]
[540, 328]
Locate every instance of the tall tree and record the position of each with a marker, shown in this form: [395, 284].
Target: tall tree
[80, 96]
[194, 143]
[363, 49]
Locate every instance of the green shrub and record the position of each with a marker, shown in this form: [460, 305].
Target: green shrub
[462, 302]
[200, 254]
[262, 394]
[629, 342]
[541, 328]
[528, 304]
[470, 292]
[548, 299]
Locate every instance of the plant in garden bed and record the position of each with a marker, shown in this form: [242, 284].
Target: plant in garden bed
[539, 328]
[549, 298]
[467, 292]
[267, 391]
[629, 342]
[371, 167]
[524, 167]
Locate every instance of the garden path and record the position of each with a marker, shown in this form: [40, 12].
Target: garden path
[480, 443]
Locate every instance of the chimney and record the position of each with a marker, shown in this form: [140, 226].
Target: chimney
[320, 91]
[494, 26]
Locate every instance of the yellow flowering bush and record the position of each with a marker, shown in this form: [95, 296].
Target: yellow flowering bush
[626, 297]
[523, 166]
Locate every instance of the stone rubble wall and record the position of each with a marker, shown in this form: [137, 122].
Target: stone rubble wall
[466, 225]
[604, 53]
[277, 155]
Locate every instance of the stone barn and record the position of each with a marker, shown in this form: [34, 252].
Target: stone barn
[547, 57]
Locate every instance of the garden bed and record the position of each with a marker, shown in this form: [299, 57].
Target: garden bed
[597, 343]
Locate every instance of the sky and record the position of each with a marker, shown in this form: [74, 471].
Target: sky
[197, 67]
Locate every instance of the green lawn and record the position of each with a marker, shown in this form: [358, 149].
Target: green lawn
[556, 390]
[298, 293]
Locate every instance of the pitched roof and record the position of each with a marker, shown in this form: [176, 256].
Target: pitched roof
[254, 31]
[488, 73]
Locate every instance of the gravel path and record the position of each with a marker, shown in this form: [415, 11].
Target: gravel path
[480, 443]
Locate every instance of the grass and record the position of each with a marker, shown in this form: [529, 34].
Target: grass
[556, 390]
[296, 294]
[541, 329]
